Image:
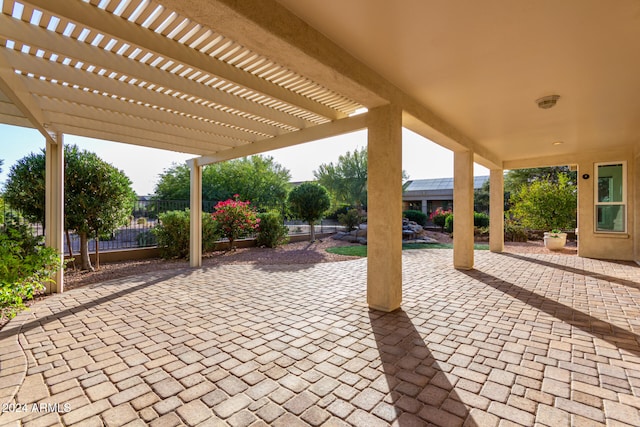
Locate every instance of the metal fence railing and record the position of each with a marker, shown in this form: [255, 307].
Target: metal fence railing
[137, 232]
[9, 215]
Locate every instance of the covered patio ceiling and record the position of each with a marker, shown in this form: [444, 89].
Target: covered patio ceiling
[481, 65]
[225, 79]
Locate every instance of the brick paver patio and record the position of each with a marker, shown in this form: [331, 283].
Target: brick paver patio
[521, 340]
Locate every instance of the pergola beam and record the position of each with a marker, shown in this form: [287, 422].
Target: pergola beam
[63, 73]
[81, 125]
[143, 38]
[51, 95]
[327, 130]
[55, 109]
[91, 55]
[18, 94]
[268, 28]
[11, 115]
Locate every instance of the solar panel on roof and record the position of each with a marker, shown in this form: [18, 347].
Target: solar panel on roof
[435, 184]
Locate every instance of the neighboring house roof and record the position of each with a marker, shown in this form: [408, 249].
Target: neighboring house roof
[439, 184]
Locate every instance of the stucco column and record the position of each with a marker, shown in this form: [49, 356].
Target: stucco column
[496, 210]
[634, 201]
[463, 210]
[195, 207]
[384, 209]
[423, 204]
[54, 205]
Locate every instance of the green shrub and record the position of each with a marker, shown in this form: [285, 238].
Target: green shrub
[25, 267]
[350, 219]
[439, 216]
[448, 223]
[147, 238]
[141, 221]
[341, 210]
[271, 232]
[416, 216]
[480, 219]
[173, 234]
[546, 205]
[514, 232]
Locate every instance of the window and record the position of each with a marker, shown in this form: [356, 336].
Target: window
[611, 197]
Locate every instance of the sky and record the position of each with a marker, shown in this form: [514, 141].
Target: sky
[421, 158]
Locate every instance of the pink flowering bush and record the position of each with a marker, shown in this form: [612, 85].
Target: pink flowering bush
[439, 217]
[235, 218]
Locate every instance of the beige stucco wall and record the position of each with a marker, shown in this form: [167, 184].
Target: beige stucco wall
[636, 231]
[592, 244]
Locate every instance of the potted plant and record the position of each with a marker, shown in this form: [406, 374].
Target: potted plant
[555, 239]
[547, 205]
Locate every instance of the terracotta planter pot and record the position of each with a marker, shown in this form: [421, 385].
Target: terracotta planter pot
[555, 241]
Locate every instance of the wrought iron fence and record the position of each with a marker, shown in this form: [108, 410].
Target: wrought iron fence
[138, 231]
[9, 216]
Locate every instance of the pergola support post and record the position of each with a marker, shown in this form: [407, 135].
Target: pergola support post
[54, 205]
[195, 223]
[384, 209]
[496, 210]
[463, 210]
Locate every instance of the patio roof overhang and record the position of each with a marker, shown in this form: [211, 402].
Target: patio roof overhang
[140, 73]
[212, 78]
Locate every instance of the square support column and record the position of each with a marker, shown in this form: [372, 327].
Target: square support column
[384, 209]
[496, 210]
[463, 210]
[54, 205]
[195, 207]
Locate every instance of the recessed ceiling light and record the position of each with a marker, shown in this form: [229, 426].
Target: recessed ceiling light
[557, 143]
[547, 102]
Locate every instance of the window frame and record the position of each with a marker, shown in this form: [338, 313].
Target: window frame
[622, 203]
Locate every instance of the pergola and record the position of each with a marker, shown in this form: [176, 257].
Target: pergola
[224, 79]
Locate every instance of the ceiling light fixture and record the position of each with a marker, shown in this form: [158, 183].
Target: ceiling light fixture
[557, 143]
[547, 102]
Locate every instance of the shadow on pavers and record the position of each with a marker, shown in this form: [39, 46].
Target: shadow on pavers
[418, 387]
[599, 328]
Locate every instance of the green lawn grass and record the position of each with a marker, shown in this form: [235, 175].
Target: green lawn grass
[361, 251]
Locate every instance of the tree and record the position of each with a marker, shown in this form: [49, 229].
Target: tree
[102, 198]
[347, 179]
[482, 198]
[1, 199]
[258, 178]
[516, 178]
[98, 197]
[545, 204]
[25, 187]
[309, 201]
